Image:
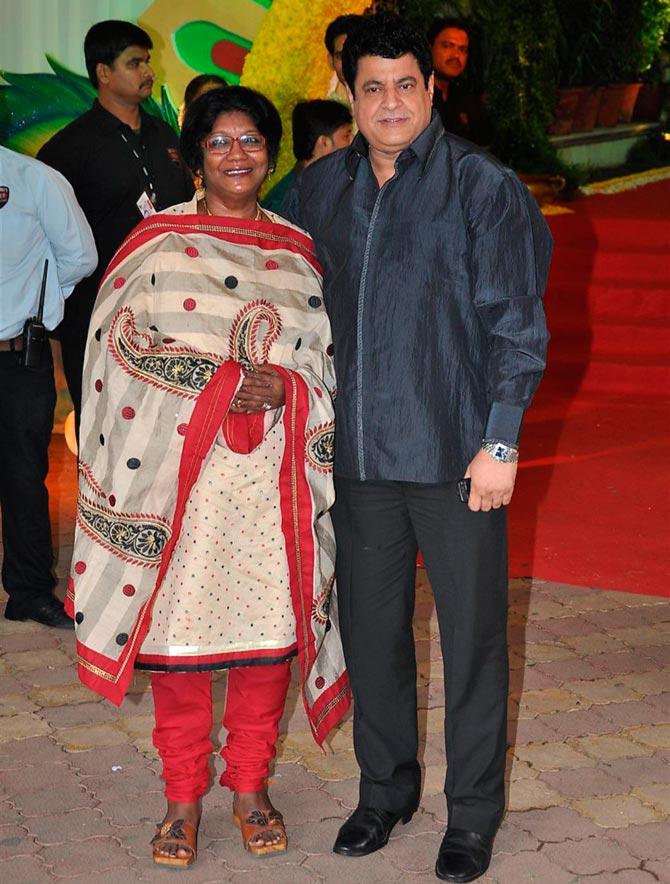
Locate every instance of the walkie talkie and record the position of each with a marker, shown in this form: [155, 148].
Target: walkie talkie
[34, 331]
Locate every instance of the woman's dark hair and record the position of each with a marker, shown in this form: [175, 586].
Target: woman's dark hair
[198, 83]
[106, 40]
[312, 119]
[386, 35]
[440, 24]
[202, 113]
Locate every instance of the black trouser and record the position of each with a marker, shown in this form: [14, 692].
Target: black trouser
[378, 526]
[73, 336]
[27, 401]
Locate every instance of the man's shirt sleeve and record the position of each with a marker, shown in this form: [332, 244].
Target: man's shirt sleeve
[66, 228]
[510, 255]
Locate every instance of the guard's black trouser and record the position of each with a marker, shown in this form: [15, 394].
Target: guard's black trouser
[379, 526]
[27, 401]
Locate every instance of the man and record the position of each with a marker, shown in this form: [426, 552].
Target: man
[39, 219]
[334, 38]
[122, 163]
[435, 259]
[319, 128]
[462, 113]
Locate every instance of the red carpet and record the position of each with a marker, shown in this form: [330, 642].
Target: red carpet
[591, 503]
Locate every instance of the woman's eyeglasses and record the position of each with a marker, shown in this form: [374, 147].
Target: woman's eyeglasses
[223, 144]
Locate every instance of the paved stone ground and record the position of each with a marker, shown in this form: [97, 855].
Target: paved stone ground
[589, 758]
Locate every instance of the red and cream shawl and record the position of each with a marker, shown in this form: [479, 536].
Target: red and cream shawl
[187, 301]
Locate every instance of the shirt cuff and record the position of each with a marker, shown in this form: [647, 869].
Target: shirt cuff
[504, 422]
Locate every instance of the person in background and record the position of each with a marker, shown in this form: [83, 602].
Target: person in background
[122, 163]
[462, 112]
[39, 219]
[435, 259]
[208, 411]
[319, 128]
[334, 38]
[197, 87]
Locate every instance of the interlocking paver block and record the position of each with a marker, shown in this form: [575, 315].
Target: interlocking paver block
[511, 839]
[638, 771]
[376, 869]
[647, 683]
[58, 799]
[624, 876]
[572, 669]
[640, 636]
[616, 811]
[335, 767]
[656, 794]
[657, 735]
[554, 824]
[590, 856]
[602, 690]
[24, 661]
[577, 722]
[78, 739]
[24, 870]
[545, 652]
[623, 662]
[631, 713]
[532, 794]
[76, 825]
[552, 756]
[85, 857]
[582, 783]
[18, 727]
[14, 703]
[534, 703]
[16, 841]
[528, 867]
[658, 869]
[61, 695]
[605, 746]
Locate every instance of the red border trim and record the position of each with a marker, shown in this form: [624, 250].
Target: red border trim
[261, 234]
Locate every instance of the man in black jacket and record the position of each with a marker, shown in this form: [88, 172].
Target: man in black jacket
[435, 260]
[123, 164]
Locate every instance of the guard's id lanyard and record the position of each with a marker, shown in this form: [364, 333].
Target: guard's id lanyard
[147, 201]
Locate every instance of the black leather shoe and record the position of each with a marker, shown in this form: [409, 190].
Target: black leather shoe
[366, 830]
[463, 856]
[47, 611]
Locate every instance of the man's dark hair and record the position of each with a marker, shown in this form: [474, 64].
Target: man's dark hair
[343, 24]
[440, 24]
[386, 35]
[202, 113]
[197, 83]
[312, 119]
[106, 40]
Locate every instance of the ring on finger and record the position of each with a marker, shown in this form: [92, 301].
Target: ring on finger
[266, 406]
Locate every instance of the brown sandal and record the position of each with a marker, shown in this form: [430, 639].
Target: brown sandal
[257, 822]
[180, 833]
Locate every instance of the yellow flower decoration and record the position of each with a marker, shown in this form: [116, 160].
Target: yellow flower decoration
[288, 61]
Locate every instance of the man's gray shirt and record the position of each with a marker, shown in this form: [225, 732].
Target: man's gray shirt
[434, 286]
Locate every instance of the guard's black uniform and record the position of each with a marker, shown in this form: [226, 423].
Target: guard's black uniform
[105, 161]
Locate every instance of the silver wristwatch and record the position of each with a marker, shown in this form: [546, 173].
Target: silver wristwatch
[501, 451]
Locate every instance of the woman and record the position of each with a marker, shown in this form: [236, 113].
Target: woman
[203, 537]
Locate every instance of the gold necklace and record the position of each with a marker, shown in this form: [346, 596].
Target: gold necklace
[257, 217]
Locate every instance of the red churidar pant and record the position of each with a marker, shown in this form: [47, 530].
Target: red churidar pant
[183, 710]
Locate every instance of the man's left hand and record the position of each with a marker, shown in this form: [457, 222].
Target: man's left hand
[491, 482]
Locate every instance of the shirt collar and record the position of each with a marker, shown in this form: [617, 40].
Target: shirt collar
[421, 148]
[111, 122]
